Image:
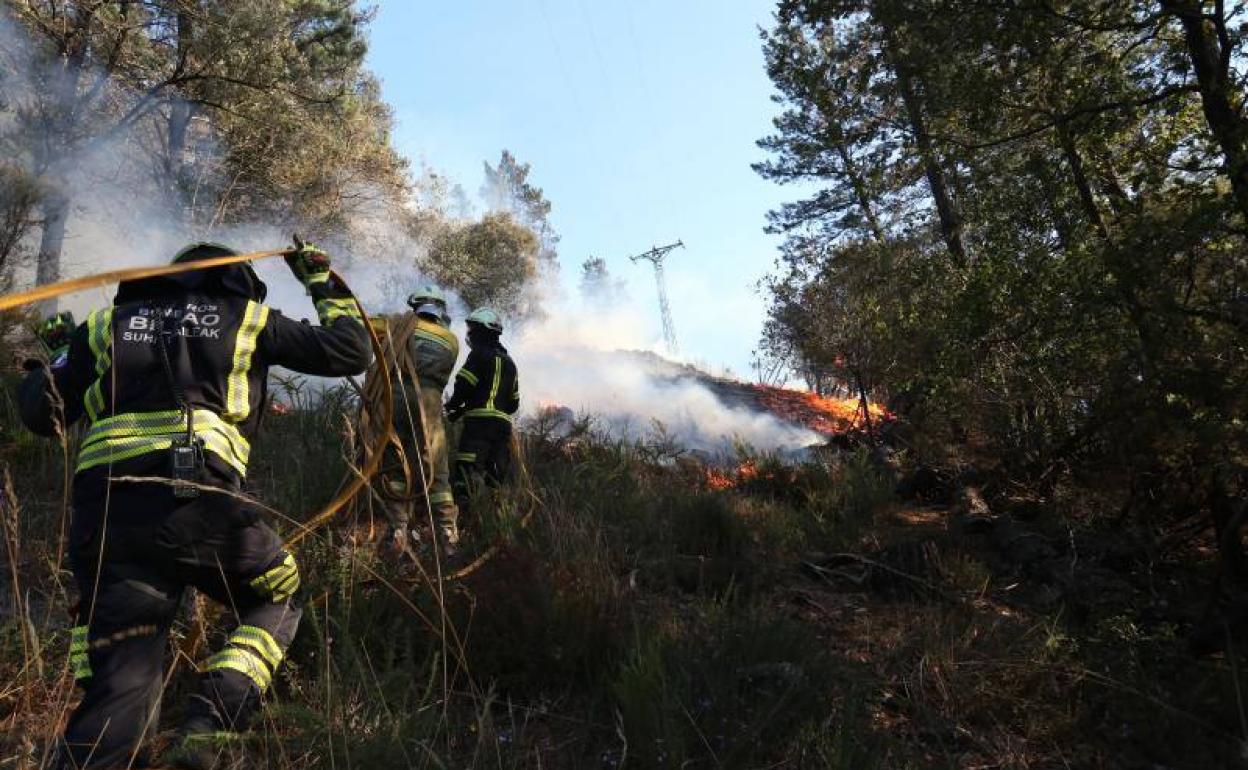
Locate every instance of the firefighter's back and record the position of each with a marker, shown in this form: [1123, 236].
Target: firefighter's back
[157, 360]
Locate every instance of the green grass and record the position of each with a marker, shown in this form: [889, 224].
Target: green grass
[636, 617]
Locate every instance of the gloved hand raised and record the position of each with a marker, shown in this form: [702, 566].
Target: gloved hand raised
[309, 264]
[55, 333]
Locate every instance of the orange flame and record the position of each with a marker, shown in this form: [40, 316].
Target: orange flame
[720, 479]
[822, 414]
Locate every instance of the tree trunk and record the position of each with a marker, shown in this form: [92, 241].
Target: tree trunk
[946, 211]
[178, 122]
[1211, 59]
[860, 191]
[180, 114]
[1080, 176]
[55, 210]
[57, 150]
[865, 404]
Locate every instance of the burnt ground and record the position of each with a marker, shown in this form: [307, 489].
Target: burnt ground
[998, 645]
[832, 417]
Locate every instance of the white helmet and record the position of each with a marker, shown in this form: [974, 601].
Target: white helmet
[427, 294]
[431, 309]
[486, 317]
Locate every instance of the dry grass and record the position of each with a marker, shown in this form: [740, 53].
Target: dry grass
[640, 619]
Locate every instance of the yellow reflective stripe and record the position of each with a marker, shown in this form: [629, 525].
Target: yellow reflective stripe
[469, 376]
[436, 339]
[437, 329]
[127, 436]
[277, 574]
[498, 378]
[237, 395]
[434, 332]
[107, 455]
[487, 412]
[243, 661]
[115, 450]
[396, 486]
[134, 424]
[467, 457]
[78, 646]
[441, 497]
[100, 340]
[280, 582]
[332, 309]
[81, 666]
[131, 421]
[259, 640]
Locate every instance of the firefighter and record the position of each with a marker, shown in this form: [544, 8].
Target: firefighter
[432, 348]
[486, 397]
[171, 382]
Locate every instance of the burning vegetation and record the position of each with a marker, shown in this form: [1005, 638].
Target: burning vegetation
[720, 479]
[827, 415]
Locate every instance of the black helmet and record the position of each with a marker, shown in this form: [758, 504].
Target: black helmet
[193, 252]
[238, 279]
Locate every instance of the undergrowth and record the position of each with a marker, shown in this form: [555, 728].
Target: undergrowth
[636, 612]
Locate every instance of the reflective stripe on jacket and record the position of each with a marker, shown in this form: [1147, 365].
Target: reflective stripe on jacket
[219, 347]
[434, 350]
[487, 386]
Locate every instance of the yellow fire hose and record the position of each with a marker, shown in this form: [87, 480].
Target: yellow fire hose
[384, 416]
[383, 429]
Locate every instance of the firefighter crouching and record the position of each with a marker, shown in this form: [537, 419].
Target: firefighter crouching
[171, 381]
[486, 397]
[432, 348]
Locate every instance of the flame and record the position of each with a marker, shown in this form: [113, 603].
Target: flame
[720, 479]
[823, 414]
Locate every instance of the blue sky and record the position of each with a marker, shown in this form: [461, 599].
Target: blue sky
[639, 119]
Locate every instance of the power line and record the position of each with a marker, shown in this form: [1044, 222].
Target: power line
[656, 255]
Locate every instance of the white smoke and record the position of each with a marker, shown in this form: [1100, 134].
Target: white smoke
[594, 359]
[571, 358]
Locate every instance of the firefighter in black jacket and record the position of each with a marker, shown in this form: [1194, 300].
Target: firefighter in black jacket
[171, 382]
[486, 396]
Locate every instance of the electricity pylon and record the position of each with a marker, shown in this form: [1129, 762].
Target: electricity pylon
[655, 256]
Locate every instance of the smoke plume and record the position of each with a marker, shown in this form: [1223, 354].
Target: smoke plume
[570, 356]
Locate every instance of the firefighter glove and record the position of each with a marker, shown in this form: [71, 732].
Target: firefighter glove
[309, 264]
[55, 333]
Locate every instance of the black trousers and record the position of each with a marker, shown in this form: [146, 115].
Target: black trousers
[483, 457]
[131, 577]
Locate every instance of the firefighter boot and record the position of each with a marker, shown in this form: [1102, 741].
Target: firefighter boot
[202, 742]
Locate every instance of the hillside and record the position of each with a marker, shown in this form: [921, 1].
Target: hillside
[826, 416]
[634, 612]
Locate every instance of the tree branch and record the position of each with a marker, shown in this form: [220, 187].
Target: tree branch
[1059, 119]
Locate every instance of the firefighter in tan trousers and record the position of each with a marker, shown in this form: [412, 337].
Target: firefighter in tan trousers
[433, 349]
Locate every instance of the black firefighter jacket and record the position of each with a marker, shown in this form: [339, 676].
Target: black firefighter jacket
[487, 386]
[220, 341]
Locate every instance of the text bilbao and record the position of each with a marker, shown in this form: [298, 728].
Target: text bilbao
[196, 320]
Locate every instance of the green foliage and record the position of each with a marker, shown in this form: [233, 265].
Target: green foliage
[730, 688]
[242, 110]
[1022, 231]
[488, 261]
[845, 501]
[589, 639]
[507, 189]
[18, 197]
